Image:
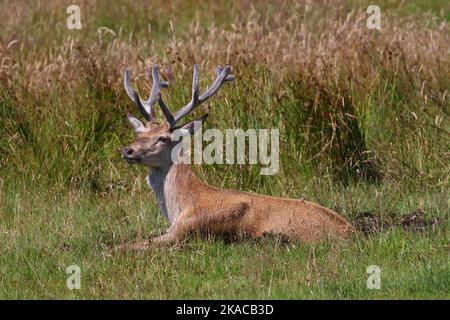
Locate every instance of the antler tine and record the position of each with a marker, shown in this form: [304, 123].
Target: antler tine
[195, 84]
[229, 77]
[156, 95]
[146, 112]
[146, 107]
[167, 113]
[157, 85]
[223, 75]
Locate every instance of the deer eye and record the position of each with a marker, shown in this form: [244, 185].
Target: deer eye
[163, 139]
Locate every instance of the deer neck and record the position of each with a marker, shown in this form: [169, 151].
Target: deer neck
[174, 187]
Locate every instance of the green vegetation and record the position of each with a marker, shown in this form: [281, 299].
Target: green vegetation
[364, 128]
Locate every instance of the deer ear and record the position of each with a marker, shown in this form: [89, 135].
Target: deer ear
[193, 126]
[137, 124]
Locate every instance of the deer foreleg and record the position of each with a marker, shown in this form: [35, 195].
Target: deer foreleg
[187, 224]
[220, 220]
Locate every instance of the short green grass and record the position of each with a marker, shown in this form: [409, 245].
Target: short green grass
[43, 236]
[40, 239]
[366, 134]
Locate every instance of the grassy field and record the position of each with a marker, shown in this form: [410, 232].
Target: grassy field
[364, 120]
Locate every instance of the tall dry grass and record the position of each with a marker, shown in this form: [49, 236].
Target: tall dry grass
[353, 103]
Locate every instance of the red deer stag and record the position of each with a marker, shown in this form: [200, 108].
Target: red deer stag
[191, 205]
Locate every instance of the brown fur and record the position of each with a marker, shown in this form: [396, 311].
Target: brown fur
[217, 212]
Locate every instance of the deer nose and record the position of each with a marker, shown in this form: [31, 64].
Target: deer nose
[127, 152]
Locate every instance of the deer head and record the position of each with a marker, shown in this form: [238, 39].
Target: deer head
[154, 143]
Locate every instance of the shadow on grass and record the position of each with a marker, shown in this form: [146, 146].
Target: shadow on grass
[368, 222]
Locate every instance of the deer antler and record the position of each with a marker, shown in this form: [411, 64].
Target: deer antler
[223, 75]
[146, 107]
